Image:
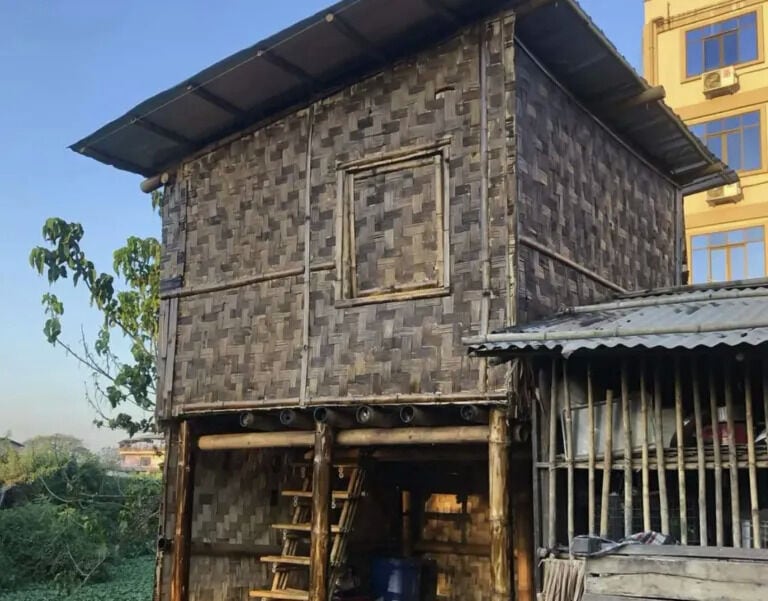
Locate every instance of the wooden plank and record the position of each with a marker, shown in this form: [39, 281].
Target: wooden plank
[286, 595]
[498, 506]
[599, 597]
[295, 560]
[679, 551]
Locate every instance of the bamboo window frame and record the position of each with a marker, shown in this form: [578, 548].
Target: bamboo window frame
[348, 292]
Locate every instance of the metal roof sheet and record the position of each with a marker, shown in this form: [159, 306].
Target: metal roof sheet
[731, 315]
[354, 38]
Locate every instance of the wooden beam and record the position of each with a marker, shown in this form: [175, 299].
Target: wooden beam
[183, 521]
[498, 495]
[343, 27]
[285, 65]
[447, 13]
[163, 132]
[320, 541]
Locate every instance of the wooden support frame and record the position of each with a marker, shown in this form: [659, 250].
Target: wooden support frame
[320, 540]
[183, 522]
[498, 495]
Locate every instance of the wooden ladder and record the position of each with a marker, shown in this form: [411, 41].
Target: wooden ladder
[299, 529]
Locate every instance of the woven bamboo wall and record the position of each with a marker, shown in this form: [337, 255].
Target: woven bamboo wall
[585, 196]
[238, 212]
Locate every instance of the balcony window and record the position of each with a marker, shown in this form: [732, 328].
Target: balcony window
[735, 140]
[720, 44]
[725, 256]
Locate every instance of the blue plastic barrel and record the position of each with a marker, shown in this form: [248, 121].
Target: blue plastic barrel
[396, 579]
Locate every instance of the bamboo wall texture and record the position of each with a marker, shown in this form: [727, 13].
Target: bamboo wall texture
[585, 196]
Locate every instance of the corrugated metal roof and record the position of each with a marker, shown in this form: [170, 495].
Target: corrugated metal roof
[731, 315]
[354, 38]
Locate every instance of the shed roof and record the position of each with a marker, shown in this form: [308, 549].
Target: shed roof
[730, 314]
[355, 38]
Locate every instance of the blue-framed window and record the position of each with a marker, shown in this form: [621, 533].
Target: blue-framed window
[731, 255]
[735, 140]
[720, 44]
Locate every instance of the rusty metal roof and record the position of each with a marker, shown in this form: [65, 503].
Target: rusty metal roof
[355, 38]
[730, 314]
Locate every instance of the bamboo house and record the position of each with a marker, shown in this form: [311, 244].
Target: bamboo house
[343, 203]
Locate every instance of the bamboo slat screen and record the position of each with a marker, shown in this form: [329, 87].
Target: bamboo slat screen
[671, 443]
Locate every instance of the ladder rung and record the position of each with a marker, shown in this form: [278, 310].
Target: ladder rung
[287, 594]
[307, 494]
[295, 560]
[301, 527]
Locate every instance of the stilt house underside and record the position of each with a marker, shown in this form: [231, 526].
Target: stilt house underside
[343, 203]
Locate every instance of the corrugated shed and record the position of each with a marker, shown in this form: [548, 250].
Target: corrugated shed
[731, 315]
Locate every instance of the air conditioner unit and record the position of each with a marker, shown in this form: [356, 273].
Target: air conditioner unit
[722, 81]
[724, 194]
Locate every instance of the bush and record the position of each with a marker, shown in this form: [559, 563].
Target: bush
[42, 541]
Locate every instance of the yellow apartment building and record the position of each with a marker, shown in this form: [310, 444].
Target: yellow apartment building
[710, 57]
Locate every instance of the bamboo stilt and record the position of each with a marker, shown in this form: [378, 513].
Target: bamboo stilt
[644, 451]
[569, 451]
[183, 522]
[607, 462]
[718, 468]
[498, 501]
[627, 427]
[551, 521]
[320, 541]
[754, 504]
[660, 462]
[702, 471]
[733, 468]
[591, 450]
[681, 491]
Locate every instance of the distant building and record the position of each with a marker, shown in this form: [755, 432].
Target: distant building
[4, 440]
[709, 56]
[142, 454]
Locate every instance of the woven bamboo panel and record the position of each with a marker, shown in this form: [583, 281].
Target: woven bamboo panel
[233, 503]
[584, 195]
[460, 577]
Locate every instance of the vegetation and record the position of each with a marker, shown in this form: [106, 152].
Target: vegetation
[67, 521]
[123, 388]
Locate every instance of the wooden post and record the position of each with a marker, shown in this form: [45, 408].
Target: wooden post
[661, 468]
[754, 504]
[523, 547]
[718, 457]
[732, 458]
[498, 493]
[552, 474]
[702, 468]
[680, 453]
[644, 449]
[627, 427]
[406, 510]
[591, 451]
[607, 462]
[183, 522]
[319, 565]
[569, 450]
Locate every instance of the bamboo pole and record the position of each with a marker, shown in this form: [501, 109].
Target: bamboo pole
[405, 512]
[754, 504]
[733, 468]
[569, 450]
[535, 488]
[702, 471]
[523, 545]
[348, 438]
[183, 522]
[498, 500]
[591, 450]
[627, 427]
[607, 462]
[306, 284]
[644, 450]
[660, 463]
[320, 540]
[680, 453]
[718, 467]
[551, 518]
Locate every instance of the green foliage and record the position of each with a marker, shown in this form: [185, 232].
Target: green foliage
[129, 580]
[131, 313]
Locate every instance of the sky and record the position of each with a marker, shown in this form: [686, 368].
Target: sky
[66, 68]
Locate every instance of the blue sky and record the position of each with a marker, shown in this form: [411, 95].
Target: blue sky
[67, 68]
